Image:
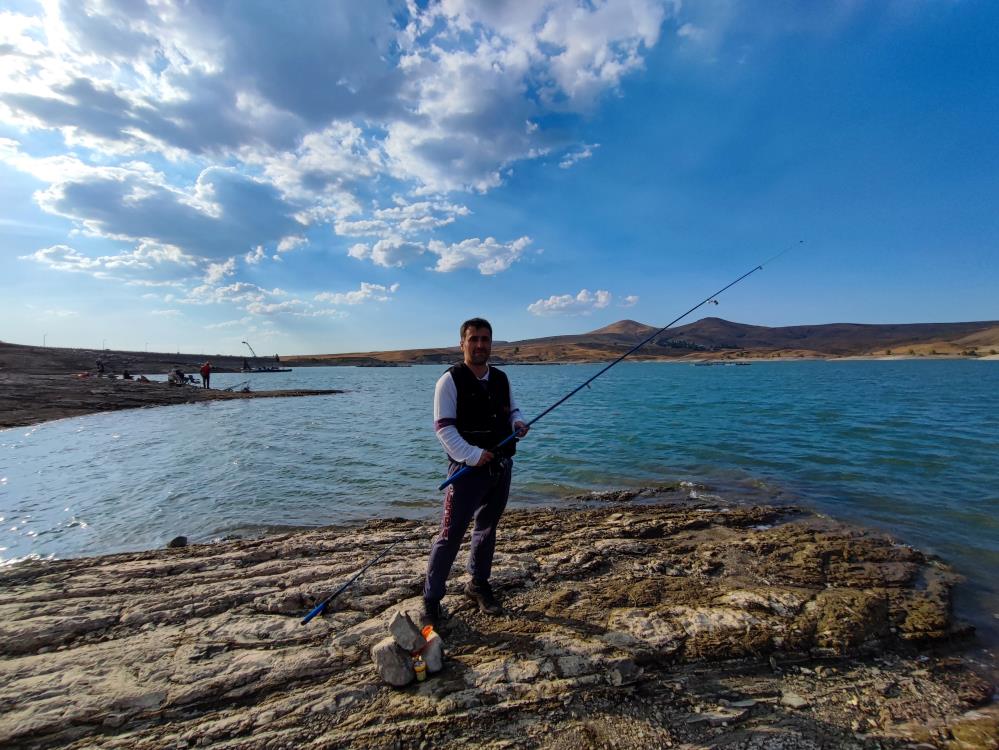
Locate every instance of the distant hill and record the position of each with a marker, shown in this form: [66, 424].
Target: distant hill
[714, 338]
[708, 338]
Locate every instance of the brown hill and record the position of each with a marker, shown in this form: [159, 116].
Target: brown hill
[714, 337]
[708, 337]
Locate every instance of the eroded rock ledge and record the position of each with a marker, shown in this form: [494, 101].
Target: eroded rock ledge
[627, 626]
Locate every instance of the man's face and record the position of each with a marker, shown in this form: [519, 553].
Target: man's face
[477, 345]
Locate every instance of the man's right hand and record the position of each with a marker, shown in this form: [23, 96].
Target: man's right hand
[486, 458]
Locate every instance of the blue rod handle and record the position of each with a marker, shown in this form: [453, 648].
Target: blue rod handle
[465, 469]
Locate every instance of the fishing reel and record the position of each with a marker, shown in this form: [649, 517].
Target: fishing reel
[498, 466]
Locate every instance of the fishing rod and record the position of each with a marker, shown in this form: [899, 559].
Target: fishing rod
[321, 607]
[711, 298]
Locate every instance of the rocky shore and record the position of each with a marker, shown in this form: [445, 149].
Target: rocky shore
[653, 621]
[28, 399]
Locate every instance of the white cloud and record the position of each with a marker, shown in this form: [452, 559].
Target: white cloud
[254, 258]
[59, 313]
[692, 32]
[228, 323]
[583, 303]
[289, 243]
[365, 293]
[630, 301]
[585, 152]
[273, 308]
[392, 252]
[239, 292]
[218, 271]
[253, 140]
[488, 256]
[160, 266]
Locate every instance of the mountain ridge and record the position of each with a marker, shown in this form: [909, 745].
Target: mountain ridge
[716, 338]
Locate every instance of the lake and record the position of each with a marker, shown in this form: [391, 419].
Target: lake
[907, 446]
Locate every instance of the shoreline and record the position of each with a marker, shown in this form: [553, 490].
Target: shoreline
[649, 625]
[33, 399]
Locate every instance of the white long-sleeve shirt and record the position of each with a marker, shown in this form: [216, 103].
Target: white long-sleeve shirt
[445, 413]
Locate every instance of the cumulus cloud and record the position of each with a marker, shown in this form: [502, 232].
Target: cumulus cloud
[365, 293]
[239, 292]
[487, 256]
[438, 95]
[392, 252]
[630, 301]
[254, 257]
[289, 243]
[273, 308]
[223, 213]
[156, 265]
[206, 133]
[218, 271]
[583, 303]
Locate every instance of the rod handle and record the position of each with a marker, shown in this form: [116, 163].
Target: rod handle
[450, 479]
[318, 610]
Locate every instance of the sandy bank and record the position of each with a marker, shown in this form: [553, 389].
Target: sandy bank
[29, 399]
[674, 625]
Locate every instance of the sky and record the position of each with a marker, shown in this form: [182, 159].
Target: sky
[320, 177]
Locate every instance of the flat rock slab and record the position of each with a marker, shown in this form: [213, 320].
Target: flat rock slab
[622, 624]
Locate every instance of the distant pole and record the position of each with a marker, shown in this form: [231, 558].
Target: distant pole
[44, 336]
[104, 343]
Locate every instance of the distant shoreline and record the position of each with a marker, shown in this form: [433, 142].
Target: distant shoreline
[32, 399]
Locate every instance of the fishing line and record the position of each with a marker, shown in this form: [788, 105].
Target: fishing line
[628, 353]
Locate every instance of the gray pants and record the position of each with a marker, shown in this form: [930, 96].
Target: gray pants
[480, 494]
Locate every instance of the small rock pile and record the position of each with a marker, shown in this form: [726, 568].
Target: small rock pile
[403, 654]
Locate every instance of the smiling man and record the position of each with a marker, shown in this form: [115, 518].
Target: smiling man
[474, 410]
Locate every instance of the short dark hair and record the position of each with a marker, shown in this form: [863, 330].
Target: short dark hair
[474, 323]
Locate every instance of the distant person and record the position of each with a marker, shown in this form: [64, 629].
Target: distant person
[126, 375]
[206, 374]
[100, 366]
[177, 377]
[474, 410]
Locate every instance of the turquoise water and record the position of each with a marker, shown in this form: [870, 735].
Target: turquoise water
[908, 446]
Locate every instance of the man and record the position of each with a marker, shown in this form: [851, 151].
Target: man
[474, 410]
[206, 374]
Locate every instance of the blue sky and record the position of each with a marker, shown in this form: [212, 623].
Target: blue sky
[343, 176]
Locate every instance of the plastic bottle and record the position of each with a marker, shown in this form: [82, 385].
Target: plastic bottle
[420, 667]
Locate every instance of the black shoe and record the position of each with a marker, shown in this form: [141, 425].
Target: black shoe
[481, 593]
[433, 613]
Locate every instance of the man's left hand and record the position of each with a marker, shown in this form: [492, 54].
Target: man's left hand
[521, 428]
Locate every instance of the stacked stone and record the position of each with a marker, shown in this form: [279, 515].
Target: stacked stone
[394, 655]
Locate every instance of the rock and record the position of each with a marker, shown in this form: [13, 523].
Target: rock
[793, 700]
[976, 730]
[394, 665]
[718, 716]
[405, 632]
[82, 666]
[177, 541]
[623, 672]
[433, 653]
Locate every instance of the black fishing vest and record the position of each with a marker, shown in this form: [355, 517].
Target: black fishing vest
[483, 417]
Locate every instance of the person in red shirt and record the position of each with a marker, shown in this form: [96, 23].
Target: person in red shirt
[206, 374]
